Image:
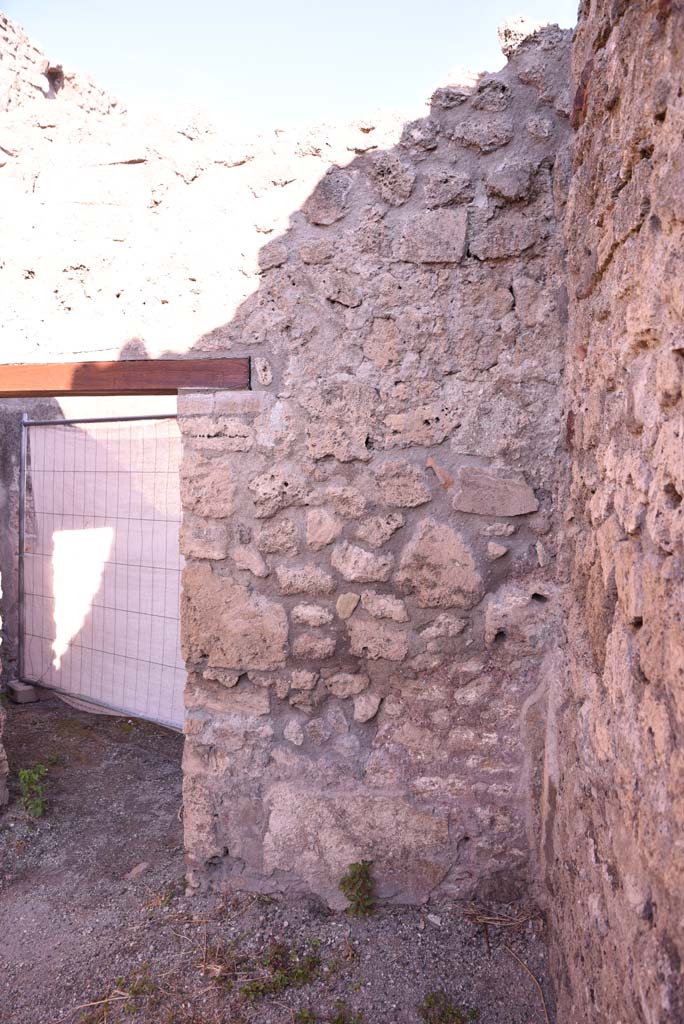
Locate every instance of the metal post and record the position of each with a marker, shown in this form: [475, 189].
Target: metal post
[22, 541]
[101, 419]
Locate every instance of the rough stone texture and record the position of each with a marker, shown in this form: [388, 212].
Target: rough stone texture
[207, 488]
[408, 408]
[489, 493]
[27, 76]
[486, 712]
[366, 706]
[355, 564]
[383, 606]
[378, 529]
[4, 766]
[398, 286]
[438, 568]
[322, 529]
[203, 538]
[226, 624]
[377, 640]
[613, 800]
[402, 484]
[346, 603]
[314, 836]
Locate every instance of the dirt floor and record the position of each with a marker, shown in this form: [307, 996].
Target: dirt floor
[93, 911]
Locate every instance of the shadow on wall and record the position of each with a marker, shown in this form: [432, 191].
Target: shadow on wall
[369, 617]
[368, 613]
[11, 412]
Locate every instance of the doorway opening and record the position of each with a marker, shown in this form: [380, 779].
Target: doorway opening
[100, 563]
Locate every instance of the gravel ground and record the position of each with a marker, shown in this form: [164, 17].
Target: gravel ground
[93, 911]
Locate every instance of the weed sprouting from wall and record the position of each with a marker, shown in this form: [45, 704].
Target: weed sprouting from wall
[358, 887]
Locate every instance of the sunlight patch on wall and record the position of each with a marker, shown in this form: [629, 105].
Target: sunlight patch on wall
[78, 564]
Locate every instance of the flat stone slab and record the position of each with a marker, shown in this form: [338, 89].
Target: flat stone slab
[492, 492]
[22, 693]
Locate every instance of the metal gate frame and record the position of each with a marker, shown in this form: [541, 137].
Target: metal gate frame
[26, 424]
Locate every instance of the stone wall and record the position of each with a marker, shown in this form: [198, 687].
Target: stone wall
[614, 799]
[11, 411]
[370, 618]
[27, 76]
[398, 648]
[440, 355]
[369, 615]
[4, 766]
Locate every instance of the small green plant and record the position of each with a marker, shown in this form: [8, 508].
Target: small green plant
[282, 967]
[437, 1008]
[345, 1015]
[142, 989]
[223, 964]
[357, 886]
[305, 1017]
[33, 790]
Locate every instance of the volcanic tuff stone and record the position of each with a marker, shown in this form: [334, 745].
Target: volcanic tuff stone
[438, 568]
[378, 529]
[333, 825]
[492, 492]
[444, 186]
[313, 646]
[207, 487]
[616, 728]
[304, 580]
[434, 237]
[384, 606]
[404, 287]
[340, 421]
[302, 680]
[345, 684]
[203, 538]
[354, 563]
[496, 551]
[364, 271]
[426, 425]
[402, 484]
[294, 732]
[322, 529]
[329, 199]
[311, 615]
[276, 490]
[373, 639]
[510, 180]
[393, 177]
[484, 133]
[507, 234]
[277, 538]
[346, 603]
[223, 622]
[366, 706]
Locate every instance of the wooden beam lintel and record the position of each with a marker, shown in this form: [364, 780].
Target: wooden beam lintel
[125, 377]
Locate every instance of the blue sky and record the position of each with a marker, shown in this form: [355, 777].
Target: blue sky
[275, 61]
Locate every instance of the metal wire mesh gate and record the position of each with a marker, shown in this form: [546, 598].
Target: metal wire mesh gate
[99, 563]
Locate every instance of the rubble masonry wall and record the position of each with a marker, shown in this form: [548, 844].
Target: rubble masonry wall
[613, 800]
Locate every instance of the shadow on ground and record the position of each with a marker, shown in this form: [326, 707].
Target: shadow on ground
[93, 911]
